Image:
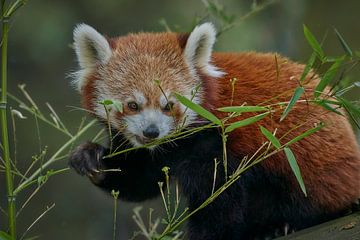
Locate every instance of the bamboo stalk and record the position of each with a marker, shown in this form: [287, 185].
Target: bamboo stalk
[4, 128]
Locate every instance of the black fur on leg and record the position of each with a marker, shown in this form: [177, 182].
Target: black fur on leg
[135, 175]
[252, 208]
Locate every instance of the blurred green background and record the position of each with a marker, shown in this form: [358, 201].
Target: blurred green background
[41, 57]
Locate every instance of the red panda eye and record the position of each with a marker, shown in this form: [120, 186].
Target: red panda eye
[133, 106]
[168, 106]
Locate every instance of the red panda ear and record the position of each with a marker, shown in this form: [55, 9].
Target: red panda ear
[198, 49]
[91, 47]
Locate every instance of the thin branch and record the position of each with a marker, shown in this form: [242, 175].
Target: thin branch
[54, 157]
[37, 219]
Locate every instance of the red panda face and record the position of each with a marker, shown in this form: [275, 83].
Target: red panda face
[150, 111]
[142, 71]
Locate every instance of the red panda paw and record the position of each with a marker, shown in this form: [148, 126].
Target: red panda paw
[86, 160]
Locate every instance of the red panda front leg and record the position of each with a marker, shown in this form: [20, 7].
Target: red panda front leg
[135, 176]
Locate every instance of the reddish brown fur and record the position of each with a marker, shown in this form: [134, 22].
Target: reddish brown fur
[329, 160]
[159, 60]
[88, 93]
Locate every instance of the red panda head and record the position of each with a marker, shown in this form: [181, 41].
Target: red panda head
[142, 71]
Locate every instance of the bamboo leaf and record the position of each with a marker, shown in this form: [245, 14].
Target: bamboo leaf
[352, 110]
[295, 168]
[345, 46]
[305, 134]
[328, 76]
[198, 109]
[242, 109]
[350, 105]
[270, 137]
[297, 94]
[245, 122]
[5, 236]
[328, 106]
[314, 43]
[344, 87]
[308, 66]
[106, 102]
[118, 106]
[331, 59]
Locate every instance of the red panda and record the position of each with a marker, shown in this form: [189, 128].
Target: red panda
[267, 196]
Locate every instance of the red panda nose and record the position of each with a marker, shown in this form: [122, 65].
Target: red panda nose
[151, 131]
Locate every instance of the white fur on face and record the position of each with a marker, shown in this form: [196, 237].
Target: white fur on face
[139, 98]
[137, 123]
[189, 115]
[132, 126]
[164, 99]
[94, 53]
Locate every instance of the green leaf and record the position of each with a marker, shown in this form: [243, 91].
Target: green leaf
[118, 106]
[295, 168]
[270, 137]
[245, 122]
[333, 102]
[42, 179]
[198, 109]
[308, 67]
[343, 43]
[242, 109]
[331, 59]
[297, 94]
[313, 43]
[352, 110]
[328, 76]
[328, 106]
[5, 236]
[106, 102]
[305, 134]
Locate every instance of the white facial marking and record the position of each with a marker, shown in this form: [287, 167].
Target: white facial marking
[137, 123]
[139, 98]
[165, 99]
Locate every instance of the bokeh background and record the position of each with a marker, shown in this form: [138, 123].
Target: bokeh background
[40, 56]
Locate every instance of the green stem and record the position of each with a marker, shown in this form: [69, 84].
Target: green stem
[53, 159]
[223, 139]
[14, 7]
[115, 195]
[4, 129]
